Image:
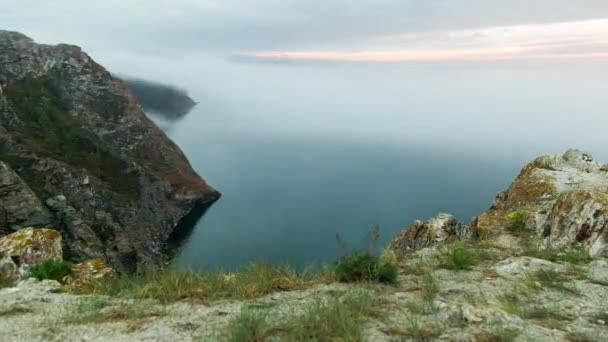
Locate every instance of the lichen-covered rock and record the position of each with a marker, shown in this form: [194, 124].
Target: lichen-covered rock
[437, 231]
[86, 275]
[71, 131]
[32, 246]
[9, 271]
[564, 201]
[19, 205]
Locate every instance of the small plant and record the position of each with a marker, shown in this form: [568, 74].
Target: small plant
[331, 319]
[547, 278]
[517, 223]
[248, 326]
[430, 287]
[421, 332]
[50, 269]
[459, 256]
[365, 265]
[100, 310]
[86, 310]
[362, 266]
[499, 333]
[511, 303]
[575, 255]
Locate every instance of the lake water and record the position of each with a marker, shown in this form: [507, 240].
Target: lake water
[304, 153]
[285, 200]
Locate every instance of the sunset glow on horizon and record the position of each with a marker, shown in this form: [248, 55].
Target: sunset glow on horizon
[565, 40]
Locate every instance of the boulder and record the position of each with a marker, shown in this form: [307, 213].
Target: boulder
[87, 274]
[9, 272]
[563, 199]
[437, 231]
[32, 246]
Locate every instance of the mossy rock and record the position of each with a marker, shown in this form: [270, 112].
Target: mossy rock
[32, 246]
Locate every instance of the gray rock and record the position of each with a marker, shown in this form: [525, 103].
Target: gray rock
[9, 271]
[19, 205]
[564, 201]
[437, 231]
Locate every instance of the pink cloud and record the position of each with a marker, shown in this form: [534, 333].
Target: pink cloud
[567, 40]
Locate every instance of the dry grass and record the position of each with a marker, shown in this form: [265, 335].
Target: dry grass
[96, 310]
[256, 280]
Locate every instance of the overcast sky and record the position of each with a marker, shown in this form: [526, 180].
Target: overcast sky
[334, 29]
[518, 75]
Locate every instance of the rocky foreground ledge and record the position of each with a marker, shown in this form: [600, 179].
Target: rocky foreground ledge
[531, 268]
[78, 154]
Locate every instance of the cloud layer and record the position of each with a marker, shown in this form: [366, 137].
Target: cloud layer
[586, 39]
[165, 27]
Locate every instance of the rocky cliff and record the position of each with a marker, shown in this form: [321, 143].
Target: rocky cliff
[78, 154]
[556, 202]
[562, 200]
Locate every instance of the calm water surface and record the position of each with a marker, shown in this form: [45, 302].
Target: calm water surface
[303, 153]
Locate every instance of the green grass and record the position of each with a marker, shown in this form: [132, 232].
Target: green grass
[248, 326]
[335, 317]
[548, 278]
[459, 256]
[50, 269]
[517, 223]
[499, 333]
[576, 255]
[256, 280]
[50, 129]
[421, 266]
[331, 318]
[363, 266]
[421, 332]
[95, 310]
[512, 303]
[429, 289]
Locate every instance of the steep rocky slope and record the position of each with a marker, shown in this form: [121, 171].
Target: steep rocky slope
[78, 154]
[563, 199]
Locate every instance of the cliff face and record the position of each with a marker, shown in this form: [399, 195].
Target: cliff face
[560, 201]
[563, 199]
[78, 154]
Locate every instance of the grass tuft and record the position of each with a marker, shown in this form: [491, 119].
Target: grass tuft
[50, 269]
[459, 256]
[248, 326]
[332, 318]
[517, 223]
[363, 266]
[99, 310]
[547, 278]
